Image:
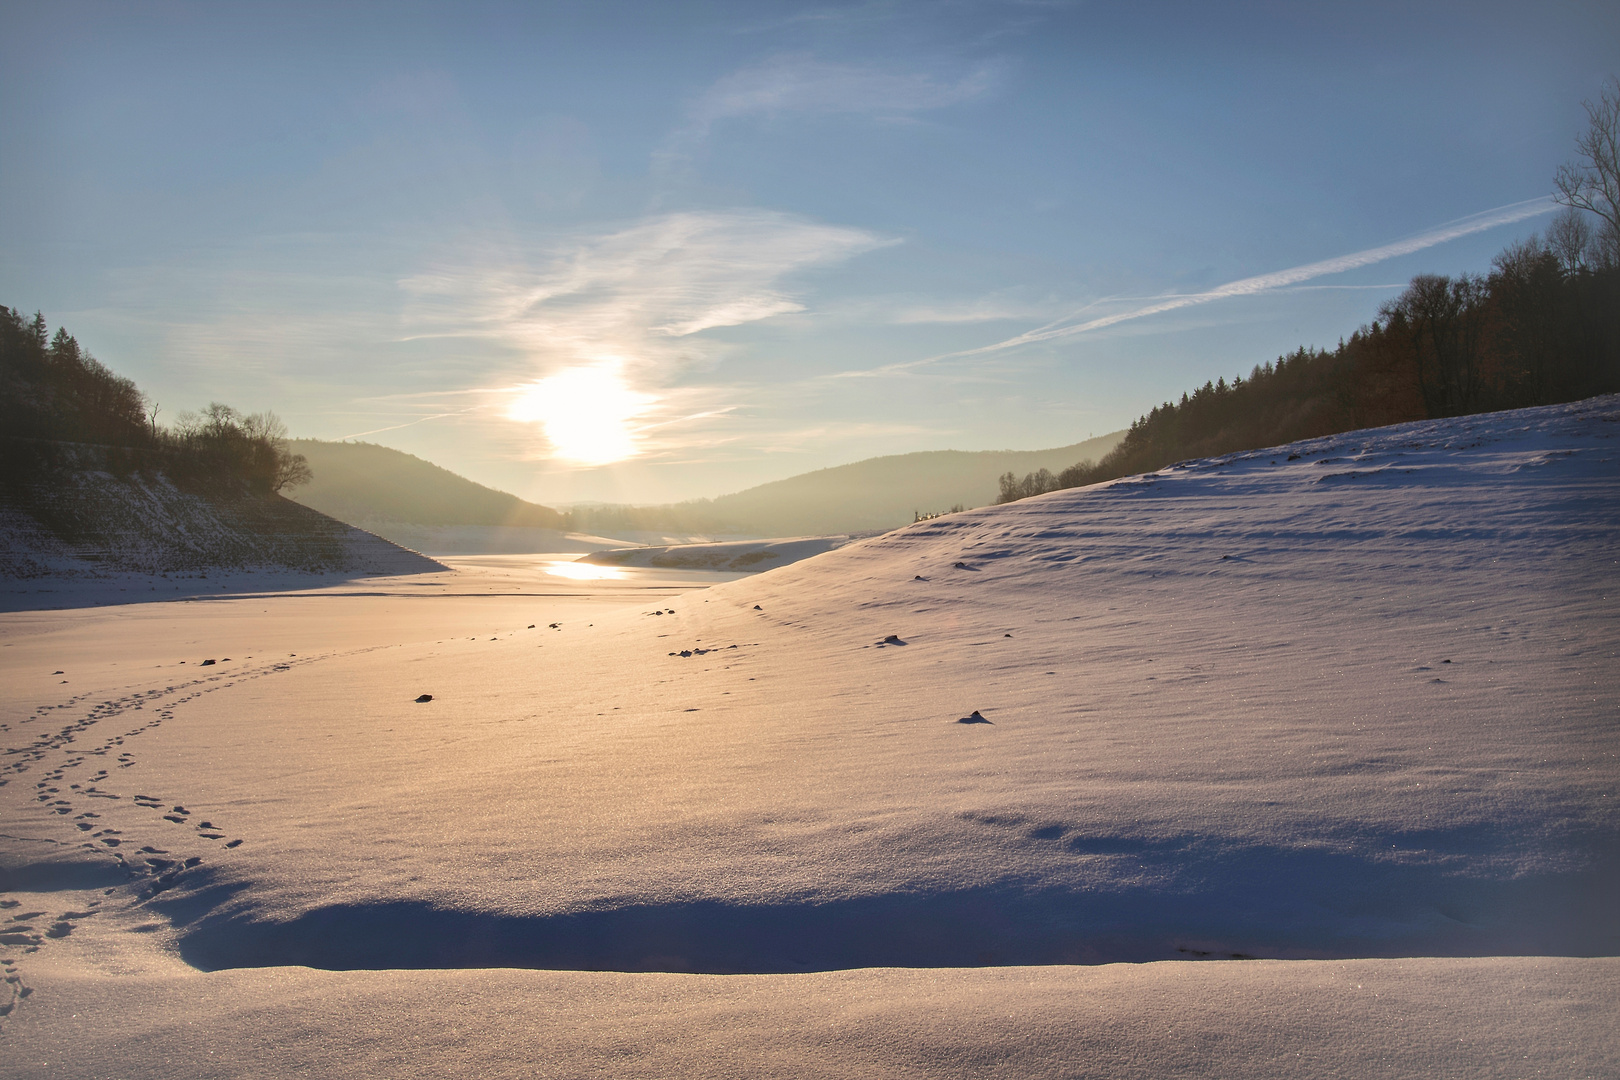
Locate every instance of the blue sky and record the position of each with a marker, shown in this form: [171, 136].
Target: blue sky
[772, 237]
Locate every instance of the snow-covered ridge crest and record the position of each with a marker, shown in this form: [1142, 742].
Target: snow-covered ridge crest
[1402, 480]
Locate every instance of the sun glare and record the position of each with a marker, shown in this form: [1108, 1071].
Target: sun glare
[586, 413]
[583, 571]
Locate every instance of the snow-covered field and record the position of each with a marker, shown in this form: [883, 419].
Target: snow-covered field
[1002, 793]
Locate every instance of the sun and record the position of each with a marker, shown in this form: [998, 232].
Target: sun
[586, 413]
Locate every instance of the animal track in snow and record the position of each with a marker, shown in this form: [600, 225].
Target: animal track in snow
[61, 749]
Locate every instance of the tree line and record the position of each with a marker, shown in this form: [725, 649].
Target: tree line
[1542, 327]
[53, 391]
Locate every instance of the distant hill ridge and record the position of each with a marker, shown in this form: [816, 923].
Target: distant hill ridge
[886, 492]
[363, 482]
[373, 485]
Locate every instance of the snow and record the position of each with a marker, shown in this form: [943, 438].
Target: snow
[746, 556]
[1262, 1019]
[1346, 706]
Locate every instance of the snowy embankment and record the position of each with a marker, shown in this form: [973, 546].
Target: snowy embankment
[745, 556]
[1353, 699]
[81, 532]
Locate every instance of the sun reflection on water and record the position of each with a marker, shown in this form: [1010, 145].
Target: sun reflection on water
[584, 571]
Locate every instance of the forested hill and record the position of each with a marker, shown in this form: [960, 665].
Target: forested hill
[53, 393]
[365, 483]
[92, 485]
[1540, 329]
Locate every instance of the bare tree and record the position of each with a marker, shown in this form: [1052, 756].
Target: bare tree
[252, 447]
[1038, 482]
[1444, 319]
[1593, 183]
[1568, 238]
[291, 470]
[286, 468]
[1603, 253]
[1010, 489]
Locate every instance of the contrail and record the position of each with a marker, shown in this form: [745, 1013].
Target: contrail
[1489, 219]
[412, 423]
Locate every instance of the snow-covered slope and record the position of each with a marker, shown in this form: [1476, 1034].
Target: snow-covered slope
[82, 520]
[1353, 698]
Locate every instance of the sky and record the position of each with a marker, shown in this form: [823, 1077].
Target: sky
[644, 252]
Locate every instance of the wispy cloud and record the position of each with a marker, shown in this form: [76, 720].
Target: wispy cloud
[748, 438]
[980, 309]
[483, 406]
[1277, 280]
[637, 295]
[638, 298]
[803, 85]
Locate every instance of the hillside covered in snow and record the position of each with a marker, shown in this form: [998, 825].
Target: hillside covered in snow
[974, 796]
[95, 513]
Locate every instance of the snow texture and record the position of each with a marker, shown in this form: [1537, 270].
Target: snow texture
[1347, 706]
[740, 556]
[81, 521]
